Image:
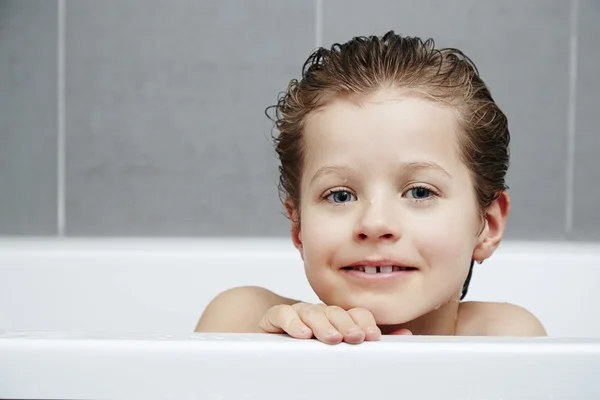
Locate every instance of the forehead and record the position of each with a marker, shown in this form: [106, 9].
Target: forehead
[383, 128]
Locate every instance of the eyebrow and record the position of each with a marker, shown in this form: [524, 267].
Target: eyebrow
[410, 167]
[330, 170]
[418, 166]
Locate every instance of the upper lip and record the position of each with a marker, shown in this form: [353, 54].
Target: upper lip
[380, 262]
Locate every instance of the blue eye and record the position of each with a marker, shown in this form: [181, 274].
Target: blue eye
[420, 193]
[340, 196]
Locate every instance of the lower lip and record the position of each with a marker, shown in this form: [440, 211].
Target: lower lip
[378, 277]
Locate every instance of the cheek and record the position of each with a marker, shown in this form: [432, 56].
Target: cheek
[321, 235]
[322, 239]
[447, 234]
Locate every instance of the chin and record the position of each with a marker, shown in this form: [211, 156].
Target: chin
[396, 316]
[385, 310]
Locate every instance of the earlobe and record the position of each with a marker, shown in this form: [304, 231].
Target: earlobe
[495, 224]
[292, 212]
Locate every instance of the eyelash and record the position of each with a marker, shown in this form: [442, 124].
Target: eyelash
[433, 194]
[336, 190]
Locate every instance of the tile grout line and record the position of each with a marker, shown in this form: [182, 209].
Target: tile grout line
[318, 23]
[571, 118]
[60, 216]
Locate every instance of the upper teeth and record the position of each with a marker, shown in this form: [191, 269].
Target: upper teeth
[386, 269]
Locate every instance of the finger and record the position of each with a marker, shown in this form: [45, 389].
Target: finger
[285, 319]
[345, 324]
[314, 317]
[401, 331]
[366, 321]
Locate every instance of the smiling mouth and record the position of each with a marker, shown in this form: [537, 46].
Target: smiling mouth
[384, 269]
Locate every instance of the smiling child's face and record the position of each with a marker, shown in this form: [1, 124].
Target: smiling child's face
[383, 188]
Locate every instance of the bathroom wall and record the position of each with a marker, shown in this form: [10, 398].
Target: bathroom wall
[146, 117]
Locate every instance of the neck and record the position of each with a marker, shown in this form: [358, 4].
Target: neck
[442, 321]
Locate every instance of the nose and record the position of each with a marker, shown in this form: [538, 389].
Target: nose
[377, 221]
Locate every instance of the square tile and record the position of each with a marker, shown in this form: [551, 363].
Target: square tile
[521, 50]
[586, 188]
[28, 117]
[166, 132]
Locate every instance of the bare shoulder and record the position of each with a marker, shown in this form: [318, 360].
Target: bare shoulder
[239, 310]
[497, 319]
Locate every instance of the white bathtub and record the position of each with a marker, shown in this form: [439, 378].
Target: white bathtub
[137, 302]
[163, 285]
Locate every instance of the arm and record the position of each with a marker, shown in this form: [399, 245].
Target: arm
[239, 310]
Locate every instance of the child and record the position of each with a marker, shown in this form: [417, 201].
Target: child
[393, 160]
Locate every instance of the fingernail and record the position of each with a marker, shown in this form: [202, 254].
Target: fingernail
[354, 331]
[304, 330]
[333, 333]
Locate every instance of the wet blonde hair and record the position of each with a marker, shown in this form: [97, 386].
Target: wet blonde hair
[364, 65]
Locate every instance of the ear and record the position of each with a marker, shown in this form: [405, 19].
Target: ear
[493, 230]
[294, 216]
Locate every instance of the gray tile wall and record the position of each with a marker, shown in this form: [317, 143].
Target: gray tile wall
[166, 133]
[586, 183]
[521, 50]
[28, 117]
[164, 127]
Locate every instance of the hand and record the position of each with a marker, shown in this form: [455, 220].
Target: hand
[329, 324]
